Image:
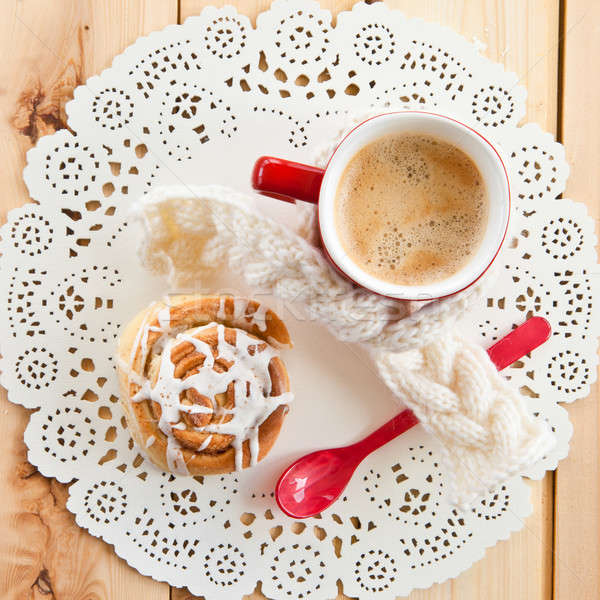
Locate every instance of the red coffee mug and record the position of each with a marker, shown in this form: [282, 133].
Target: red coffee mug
[291, 181]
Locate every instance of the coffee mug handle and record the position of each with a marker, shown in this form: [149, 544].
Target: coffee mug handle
[287, 180]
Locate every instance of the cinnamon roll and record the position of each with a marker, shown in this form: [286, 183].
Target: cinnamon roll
[202, 386]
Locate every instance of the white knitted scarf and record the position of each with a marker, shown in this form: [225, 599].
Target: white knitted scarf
[450, 383]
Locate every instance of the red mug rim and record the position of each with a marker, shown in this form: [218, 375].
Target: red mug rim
[493, 258]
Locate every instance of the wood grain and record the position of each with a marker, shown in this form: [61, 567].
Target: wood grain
[523, 35]
[48, 49]
[577, 520]
[53, 48]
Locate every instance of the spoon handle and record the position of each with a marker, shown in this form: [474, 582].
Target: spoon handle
[387, 432]
[519, 342]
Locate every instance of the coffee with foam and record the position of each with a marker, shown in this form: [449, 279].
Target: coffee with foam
[411, 209]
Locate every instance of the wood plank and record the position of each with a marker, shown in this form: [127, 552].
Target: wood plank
[524, 36]
[489, 23]
[48, 49]
[251, 8]
[577, 520]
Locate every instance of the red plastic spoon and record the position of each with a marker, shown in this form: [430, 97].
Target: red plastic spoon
[315, 481]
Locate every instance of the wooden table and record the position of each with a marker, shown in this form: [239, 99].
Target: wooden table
[48, 48]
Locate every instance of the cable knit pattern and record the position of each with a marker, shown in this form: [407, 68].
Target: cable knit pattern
[451, 385]
[481, 422]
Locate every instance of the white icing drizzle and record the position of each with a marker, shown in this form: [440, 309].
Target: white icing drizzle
[254, 447]
[259, 318]
[141, 339]
[221, 314]
[150, 441]
[132, 375]
[239, 308]
[175, 460]
[144, 344]
[139, 335]
[205, 443]
[164, 318]
[249, 374]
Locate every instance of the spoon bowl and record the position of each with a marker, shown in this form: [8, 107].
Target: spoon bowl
[314, 483]
[317, 480]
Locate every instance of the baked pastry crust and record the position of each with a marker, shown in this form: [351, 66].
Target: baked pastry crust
[185, 327]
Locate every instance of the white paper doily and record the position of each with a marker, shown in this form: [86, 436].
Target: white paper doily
[198, 103]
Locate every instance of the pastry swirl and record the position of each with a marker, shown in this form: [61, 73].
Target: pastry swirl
[202, 386]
